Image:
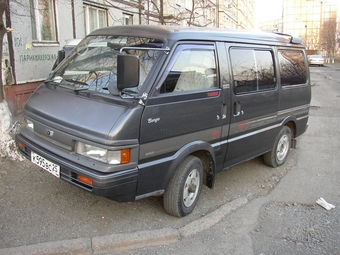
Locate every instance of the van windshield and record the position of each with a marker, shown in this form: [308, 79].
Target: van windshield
[92, 65]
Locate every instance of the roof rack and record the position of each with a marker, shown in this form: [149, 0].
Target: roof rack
[293, 39]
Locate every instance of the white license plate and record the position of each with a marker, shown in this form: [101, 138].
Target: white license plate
[45, 164]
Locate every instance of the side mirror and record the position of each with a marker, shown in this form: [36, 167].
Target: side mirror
[127, 71]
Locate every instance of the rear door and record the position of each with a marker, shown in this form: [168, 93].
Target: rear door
[254, 102]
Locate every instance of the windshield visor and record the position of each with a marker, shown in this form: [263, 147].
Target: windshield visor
[92, 65]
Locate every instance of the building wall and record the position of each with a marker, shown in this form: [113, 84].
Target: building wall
[230, 14]
[305, 18]
[26, 62]
[246, 14]
[302, 18]
[272, 26]
[32, 60]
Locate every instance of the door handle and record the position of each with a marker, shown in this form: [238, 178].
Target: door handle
[237, 109]
[224, 111]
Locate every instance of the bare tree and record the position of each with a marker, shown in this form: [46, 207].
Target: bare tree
[312, 40]
[328, 36]
[7, 144]
[158, 11]
[193, 15]
[3, 9]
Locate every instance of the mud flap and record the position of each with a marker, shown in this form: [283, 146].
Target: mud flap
[293, 144]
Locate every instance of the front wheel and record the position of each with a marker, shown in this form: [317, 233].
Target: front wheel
[280, 150]
[184, 189]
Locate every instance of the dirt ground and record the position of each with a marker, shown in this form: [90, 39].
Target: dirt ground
[280, 218]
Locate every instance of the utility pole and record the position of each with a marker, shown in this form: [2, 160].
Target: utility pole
[217, 13]
[319, 50]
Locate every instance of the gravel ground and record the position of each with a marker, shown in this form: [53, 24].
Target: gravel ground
[297, 229]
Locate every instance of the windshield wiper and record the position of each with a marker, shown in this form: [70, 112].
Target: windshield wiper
[129, 93]
[72, 88]
[77, 82]
[48, 81]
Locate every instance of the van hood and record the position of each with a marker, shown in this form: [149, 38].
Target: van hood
[82, 116]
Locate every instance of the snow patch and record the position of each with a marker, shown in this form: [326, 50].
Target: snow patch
[7, 143]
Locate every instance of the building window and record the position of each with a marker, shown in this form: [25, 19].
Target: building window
[128, 19]
[95, 18]
[43, 20]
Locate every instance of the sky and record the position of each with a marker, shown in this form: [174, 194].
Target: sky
[266, 10]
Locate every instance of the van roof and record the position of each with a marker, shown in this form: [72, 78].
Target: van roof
[179, 33]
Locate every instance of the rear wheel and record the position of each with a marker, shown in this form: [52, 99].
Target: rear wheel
[185, 186]
[280, 150]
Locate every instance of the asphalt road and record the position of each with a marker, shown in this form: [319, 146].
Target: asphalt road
[35, 207]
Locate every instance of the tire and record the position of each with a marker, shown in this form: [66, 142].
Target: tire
[280, 150]
[184, 189]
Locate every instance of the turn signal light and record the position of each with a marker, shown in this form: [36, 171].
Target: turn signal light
[21, 145]
[85, 180]
[125, 155]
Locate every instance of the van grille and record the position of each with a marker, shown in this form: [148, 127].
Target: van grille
[61, 145]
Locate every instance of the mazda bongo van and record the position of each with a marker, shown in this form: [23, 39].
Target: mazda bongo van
[139, 111]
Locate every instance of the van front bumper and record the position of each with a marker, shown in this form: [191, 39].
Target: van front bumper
[120, 186]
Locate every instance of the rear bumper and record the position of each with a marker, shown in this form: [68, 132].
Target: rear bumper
[316, 63]
[120, 186]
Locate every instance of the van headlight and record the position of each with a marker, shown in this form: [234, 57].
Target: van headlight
[103, 155]
[30, 125]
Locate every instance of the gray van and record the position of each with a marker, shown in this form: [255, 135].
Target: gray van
[139, 111]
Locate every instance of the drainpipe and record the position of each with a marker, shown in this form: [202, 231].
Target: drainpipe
[73, 20]
[10, 41]
[140, 11]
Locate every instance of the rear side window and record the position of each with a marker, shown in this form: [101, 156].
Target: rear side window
[292, 67]
[253, 70]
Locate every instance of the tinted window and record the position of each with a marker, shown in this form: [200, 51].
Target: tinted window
[292, 67]
[193, 69]
[253, 70]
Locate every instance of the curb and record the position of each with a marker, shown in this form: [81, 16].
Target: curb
[212, 218]
[74, 246]
[127, 241]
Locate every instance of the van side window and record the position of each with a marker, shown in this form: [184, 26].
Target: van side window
[253, 70]
[194, 69]
[292, 67]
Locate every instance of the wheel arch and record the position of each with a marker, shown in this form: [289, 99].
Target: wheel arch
[203, 151]
[291, 123]
[208, 166]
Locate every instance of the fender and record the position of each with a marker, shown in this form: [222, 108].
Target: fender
[192, 148]
[154, 176]
[288, 119]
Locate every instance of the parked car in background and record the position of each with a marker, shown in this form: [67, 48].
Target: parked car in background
[69, 45]
[316, 60]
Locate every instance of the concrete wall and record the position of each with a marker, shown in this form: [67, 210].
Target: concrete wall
[33, 61]
[27, 63]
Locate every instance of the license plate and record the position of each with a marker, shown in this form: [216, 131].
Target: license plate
[45, 164]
